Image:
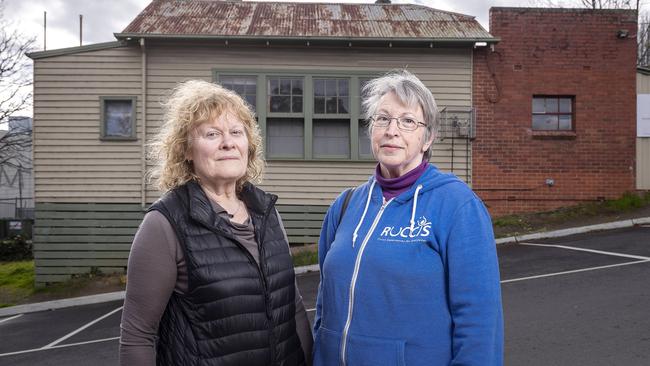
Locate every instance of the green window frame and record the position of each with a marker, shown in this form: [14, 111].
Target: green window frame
[307, 115]
[118, 118]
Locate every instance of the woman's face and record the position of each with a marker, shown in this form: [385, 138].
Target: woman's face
[219, 150]
[398, 151]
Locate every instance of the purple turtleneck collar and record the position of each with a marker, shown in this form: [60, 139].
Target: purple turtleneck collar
[393, 187]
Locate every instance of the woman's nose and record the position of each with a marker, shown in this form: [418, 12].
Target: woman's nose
[392, 128]
[227, 142]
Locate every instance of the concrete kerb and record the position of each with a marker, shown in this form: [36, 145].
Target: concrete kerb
[575, 230]
[119, 295]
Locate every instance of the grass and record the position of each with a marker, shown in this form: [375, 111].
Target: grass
[531, 222]
[17, 285]
[16, 281]
[305, 258]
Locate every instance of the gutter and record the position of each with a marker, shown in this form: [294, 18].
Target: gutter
[143, 113]
[129, 36]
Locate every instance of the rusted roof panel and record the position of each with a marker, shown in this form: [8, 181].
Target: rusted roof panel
[213, 18]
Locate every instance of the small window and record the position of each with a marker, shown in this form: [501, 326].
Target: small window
[118, 118]
[245, 86]
[552, 113]
[285, 95]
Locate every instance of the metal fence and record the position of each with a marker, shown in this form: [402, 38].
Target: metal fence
[17, 208]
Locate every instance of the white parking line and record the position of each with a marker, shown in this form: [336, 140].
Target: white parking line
[8, 319]
[645, 260]
[82, 328]
[614, 254]
[573, 271]
[59, 346]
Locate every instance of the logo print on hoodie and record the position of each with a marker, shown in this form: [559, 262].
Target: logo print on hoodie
[422, 228]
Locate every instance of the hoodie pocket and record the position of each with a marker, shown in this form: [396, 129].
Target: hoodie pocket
[326, 347]
[372, 351]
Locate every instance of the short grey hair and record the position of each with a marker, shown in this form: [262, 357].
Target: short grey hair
[410, 91]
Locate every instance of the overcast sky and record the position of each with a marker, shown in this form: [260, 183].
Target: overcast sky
[102, 18]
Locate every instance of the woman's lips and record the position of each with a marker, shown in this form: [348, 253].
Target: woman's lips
[390, 147]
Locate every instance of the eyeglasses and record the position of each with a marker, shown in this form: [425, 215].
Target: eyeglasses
[403, 123]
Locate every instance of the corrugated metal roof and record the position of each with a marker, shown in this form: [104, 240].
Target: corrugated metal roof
[236, 19]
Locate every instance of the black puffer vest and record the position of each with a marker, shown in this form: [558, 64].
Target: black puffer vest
[235, 312]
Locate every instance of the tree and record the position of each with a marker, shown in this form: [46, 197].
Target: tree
[643, 40]
[15, 93]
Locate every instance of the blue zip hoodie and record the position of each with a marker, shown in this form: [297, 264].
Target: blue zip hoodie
[410, 281]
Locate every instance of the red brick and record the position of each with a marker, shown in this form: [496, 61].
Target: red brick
[561, 52]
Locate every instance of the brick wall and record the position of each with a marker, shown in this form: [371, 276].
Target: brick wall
[563, 52]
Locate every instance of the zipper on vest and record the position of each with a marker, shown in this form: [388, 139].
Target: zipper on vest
[353, 281]
[267, 301]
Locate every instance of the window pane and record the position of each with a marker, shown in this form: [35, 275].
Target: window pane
[331, 138]
[280, 104]
[362, 96]
[251, 88]
[319, 87]
[538, 105]
[285, 86]
[551, 105]
[245, 86]
[296, 86]
[274, 86]
[330, 105]
[544, 122]
[285, 137]
[117, 115]
[364, 139]
[336, 93]
[296, 105]
[343, 87]
[565, 105]
[250, 99]
[330, 87]
[565, 122]
[319, 105]
[343, 104]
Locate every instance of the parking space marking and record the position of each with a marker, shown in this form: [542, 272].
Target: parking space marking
[575, 271]
[58, 346]
[8, 319]
[82, 328]
[614, 254]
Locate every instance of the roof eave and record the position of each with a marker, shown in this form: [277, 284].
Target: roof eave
[72, 50]
[128, 36]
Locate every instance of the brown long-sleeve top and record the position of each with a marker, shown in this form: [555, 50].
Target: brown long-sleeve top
[156, 269]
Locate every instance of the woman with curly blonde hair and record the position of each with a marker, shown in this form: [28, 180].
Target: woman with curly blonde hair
[210, 277]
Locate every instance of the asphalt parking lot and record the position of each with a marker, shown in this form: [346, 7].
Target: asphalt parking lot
[580, 300]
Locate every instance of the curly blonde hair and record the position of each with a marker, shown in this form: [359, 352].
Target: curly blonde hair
[190, 104]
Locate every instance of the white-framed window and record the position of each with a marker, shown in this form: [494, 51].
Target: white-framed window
[553, 113]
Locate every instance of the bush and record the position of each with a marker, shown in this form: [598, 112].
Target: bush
[15, 248]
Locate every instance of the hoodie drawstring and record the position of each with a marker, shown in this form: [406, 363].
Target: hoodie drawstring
[365, 210]
[415, 205]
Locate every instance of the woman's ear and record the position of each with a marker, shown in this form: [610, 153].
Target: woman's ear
[427, 144]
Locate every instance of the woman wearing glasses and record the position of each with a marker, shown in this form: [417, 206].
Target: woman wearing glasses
[409, 272]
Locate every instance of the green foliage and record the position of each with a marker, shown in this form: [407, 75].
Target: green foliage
[16, 281]
[305, 258]
[628, 202]
[15, 248]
